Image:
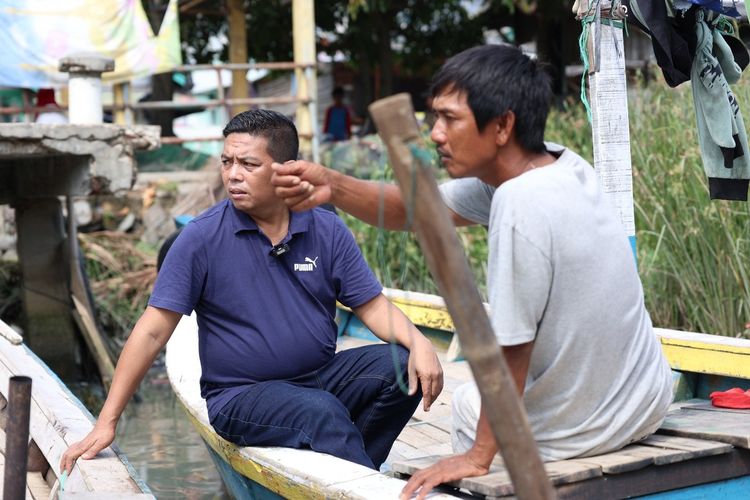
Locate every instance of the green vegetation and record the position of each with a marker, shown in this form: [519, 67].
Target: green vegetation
[121, 273]
[693, 253]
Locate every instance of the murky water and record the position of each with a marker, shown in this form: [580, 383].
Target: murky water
[162, 445]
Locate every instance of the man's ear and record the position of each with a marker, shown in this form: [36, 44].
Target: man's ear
[504, 126]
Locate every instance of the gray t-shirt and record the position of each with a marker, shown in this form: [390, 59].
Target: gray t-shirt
[561, 273]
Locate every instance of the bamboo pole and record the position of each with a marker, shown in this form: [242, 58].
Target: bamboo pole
[397, 126]
[303, 29]
[237, 51]
[119, 101]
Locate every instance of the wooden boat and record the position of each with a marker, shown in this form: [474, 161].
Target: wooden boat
[57, 420]
[700, 451]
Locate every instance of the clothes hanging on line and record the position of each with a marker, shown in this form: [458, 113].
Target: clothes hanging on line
[721, 129]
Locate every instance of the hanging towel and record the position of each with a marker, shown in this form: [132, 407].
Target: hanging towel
[673, 38]
[721, 131]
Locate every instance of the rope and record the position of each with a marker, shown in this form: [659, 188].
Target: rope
[385, 269]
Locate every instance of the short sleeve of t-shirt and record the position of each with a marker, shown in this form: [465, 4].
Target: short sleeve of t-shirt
[470, 198]
[183, 273]
[519, 277]
[354, 280]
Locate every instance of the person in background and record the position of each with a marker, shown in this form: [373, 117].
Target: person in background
[52, 114]
[339, 118]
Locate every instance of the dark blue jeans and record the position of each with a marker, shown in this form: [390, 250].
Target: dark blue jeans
[352, 408]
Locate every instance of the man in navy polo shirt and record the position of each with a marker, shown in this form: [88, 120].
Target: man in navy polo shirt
[264, 284]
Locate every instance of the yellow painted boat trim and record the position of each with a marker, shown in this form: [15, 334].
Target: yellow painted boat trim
[710, 354]
[274, 481]
[421, 308]
[685, 351]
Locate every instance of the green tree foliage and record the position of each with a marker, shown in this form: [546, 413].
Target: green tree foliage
[415, 36]
[269, 31]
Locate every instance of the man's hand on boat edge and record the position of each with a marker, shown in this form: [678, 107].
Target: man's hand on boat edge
[95, 441]
[449, 469]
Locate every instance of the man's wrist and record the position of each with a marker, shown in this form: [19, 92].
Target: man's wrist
[333, 178]
[480, 456]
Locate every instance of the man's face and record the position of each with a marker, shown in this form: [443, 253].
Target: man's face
[246, 172]
[464, 151]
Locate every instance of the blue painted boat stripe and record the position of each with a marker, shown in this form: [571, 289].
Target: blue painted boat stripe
[729, 488]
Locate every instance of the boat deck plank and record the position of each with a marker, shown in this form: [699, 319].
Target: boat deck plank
[36, 487]
[656, 450]
[732, 427]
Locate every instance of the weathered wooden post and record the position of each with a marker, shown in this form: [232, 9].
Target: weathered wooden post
[17, 438]
[397, 126]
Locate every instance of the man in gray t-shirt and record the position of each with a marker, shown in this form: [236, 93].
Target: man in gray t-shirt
[566, 301]
[561, 275]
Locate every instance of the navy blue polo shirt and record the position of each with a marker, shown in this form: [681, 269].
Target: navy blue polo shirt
[260, 316]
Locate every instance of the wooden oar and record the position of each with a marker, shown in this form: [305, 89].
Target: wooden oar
[83, 310]
[397, 126]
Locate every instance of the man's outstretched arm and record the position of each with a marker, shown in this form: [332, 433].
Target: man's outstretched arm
[389, 324]
[476, 461]
[148, 337]
[304, 185]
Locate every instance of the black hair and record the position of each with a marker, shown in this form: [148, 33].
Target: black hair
[497, 79]
[338, 92]
[277, 129]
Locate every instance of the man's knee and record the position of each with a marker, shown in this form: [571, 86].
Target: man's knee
[465, 404]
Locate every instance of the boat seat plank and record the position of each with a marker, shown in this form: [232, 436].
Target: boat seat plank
[655, 450]
[725, 426]
[438, 411]
[497, 483]
[435, 433]
[703, 404]
[36, 486]
[628, 459]
[411, 436]
[699, 447]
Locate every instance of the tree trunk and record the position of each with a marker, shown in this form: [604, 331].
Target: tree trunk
[383, 22]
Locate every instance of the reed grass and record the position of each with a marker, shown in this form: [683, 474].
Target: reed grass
[693, 253]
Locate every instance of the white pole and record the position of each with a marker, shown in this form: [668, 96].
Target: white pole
[85, 86]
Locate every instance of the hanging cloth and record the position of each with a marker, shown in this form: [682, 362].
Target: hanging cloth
[673, 38]
[721, 130]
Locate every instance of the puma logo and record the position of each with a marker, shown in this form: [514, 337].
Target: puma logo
[309, 265]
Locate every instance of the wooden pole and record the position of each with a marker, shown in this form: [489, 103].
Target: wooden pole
[397, 126]
[237, 51]
[17, 438]
[83, 309]
[303, 29]
[119, 100]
